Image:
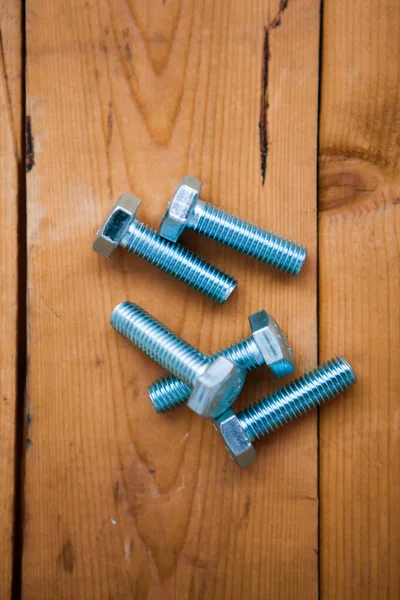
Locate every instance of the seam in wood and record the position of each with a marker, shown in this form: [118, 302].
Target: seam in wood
[264, 105]
[21, 350]
[263, 125]
[318, 306]
[29, 145]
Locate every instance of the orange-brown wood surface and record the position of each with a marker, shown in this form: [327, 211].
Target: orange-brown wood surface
[102, 498]
[121, 502]
[10, 130]
[359, 292]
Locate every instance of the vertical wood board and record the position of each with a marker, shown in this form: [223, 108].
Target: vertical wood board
[131, 96]
[10, 132]
[359, 293]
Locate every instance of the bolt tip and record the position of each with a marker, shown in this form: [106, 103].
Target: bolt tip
[298, 260]
[166, 393]
[157, 399]
[302, 257]
[282, 367]
[229, 289]
[119, 312]
[346, 367]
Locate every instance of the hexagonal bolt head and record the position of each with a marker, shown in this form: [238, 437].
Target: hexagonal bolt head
[237, 442]
[119, 218]
[216, 388]
[272, 343]
[175, 217]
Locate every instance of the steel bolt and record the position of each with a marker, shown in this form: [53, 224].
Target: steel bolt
[215, 383]
[187, 210]
[121, 228]
[267, 345]
[239, 430]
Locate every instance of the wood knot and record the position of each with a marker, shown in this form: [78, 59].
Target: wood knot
[345, 183]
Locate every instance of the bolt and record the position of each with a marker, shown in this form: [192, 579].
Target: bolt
[216, 383]
[121, 228]
[267, 345]
[239, 430]
[187, 210]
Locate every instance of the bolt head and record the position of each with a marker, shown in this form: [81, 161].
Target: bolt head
[183, 200]
[119, 218]
[272, 343]
[216, 388]
[237, 442]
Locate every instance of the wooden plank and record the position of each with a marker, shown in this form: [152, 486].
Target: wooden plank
[11, 47]
[131, 96]
[359, 298]
[10, 116]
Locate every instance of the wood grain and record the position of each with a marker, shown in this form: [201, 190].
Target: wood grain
[11, 64]
[121, 502]
[359, 298]
[10, 132]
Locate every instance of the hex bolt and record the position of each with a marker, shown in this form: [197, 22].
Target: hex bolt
[267, 345]
[121, 228]
[239, 430]
[187, 210]
[216, 383]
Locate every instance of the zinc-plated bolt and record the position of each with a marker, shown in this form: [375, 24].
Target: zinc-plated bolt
[122, 228]
[216, 383]
[267, 345]
[187, 210]
[239, 430]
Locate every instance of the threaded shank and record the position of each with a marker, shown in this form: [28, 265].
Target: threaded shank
[236, 233]
[244, 353]
[169, 392]
[179, 262]
[158, 342]
[296, 398]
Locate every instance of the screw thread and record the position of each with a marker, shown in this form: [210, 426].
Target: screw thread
[296, 398]
[245, 237]
[244, 353]
[158, 342]
[177, 261]
[169, 392]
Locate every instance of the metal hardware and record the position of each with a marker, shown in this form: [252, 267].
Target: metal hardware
[267, 345]
[121, 228]
[187, 210]
[239, 430]
[215, 383]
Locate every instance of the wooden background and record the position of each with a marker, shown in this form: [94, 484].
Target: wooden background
[289, 110]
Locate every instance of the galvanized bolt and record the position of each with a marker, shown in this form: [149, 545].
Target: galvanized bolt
[121, 228]
[216, 383]
[239, 430]
[267, 345]
[187, 210]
